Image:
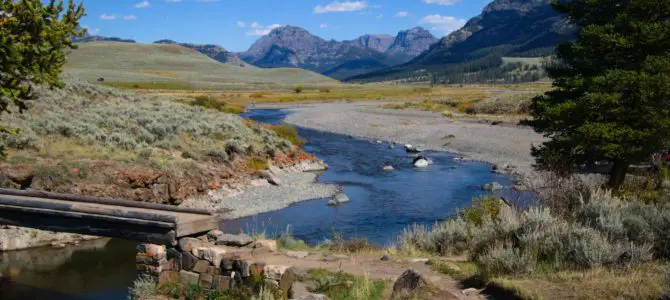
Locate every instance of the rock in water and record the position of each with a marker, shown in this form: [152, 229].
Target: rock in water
[492, 187]
[339, 199]
[389, 168]
[421, 162]
[411, 149]
[407, 283]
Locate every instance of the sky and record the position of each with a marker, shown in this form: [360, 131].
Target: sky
[236, 24]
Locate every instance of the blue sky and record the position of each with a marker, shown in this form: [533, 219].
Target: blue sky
[236, 24]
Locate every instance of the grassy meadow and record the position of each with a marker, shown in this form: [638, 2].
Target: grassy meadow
[161, 66]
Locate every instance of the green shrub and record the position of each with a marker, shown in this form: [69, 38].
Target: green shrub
[144, 287]
[298, 89]
[505, 259]
[481, 208]
[344, 286]
[605, 232]
[95, 115]
[287, 132]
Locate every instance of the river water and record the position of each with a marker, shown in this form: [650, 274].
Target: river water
[382, 204]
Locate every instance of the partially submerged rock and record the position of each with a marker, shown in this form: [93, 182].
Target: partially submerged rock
[492, 187]
[339, 199]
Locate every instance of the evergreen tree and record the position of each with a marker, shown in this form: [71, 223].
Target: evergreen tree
[33, 37]
[611, 94]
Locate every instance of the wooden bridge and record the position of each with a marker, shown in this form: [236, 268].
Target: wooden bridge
[130, 220]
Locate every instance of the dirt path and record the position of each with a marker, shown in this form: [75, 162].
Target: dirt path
[368, 265]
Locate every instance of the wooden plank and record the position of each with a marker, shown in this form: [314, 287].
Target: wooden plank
[56, 223]
[77, 207]
[101, 200]
[197, 226]
[84, 216]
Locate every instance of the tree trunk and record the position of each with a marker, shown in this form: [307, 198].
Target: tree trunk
[618, 174]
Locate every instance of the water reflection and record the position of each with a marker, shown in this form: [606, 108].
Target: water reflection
[100, 269]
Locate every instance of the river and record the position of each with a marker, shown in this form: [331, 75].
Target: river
[382, 204]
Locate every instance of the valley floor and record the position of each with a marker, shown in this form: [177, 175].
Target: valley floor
[504, 143]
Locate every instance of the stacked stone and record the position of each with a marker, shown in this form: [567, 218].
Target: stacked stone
[150, 260]
[215, 261]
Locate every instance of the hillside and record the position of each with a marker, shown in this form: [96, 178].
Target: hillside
[216, 52]
[292, 46]
[505, 28]
[174, 66]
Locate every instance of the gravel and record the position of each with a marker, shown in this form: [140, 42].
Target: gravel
[295, 187]
[505, 143]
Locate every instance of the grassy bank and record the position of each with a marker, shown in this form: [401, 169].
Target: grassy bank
[91, 139]
[335, 285]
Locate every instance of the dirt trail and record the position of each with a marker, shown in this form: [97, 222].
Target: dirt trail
[371, 266]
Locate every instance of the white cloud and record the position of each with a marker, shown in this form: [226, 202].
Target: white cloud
[258, 29]
[441, 2]
[143, 4]
[323, 26]
[341, 7]
[241, 24]
[106, 17]
[130, 17]
[401, 14]
[446, 24]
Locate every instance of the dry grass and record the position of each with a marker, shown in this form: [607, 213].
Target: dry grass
[643, 282]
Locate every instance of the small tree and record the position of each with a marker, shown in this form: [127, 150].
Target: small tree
[298, 89]
[611, 93]
[33, 37]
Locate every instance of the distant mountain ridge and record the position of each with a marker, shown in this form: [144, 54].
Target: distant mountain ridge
[97, 38]
[505, 28]
[216, 52]
[291, 46]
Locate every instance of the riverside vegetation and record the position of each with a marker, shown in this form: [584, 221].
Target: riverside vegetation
[134, 142]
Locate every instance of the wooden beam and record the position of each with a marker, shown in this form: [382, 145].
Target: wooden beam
[90, 209]
[107, 228]
[84, 217]
[101, 200]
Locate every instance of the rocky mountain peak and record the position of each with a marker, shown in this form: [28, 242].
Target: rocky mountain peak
[412, 42]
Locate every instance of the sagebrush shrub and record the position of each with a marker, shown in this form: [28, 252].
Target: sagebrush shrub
[98, 115]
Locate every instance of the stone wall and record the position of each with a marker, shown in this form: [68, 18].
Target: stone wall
[215, 261]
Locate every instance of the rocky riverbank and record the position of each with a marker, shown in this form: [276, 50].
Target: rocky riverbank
[279, 188]
[500, 144]
[234, 198]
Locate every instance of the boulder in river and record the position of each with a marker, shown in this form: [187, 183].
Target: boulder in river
[492, 187]
[411, 149]
[389, 168]
[421, 162]
[339, 199]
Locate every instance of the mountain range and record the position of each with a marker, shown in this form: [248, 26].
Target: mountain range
[291, 46]
[477, 52]
[216, 52]
[474, 53]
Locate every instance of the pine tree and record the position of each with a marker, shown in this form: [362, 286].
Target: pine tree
[33, 37]
[611, 93]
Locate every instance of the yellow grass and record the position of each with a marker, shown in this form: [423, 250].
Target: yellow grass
[639, 282]
[643, 282]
